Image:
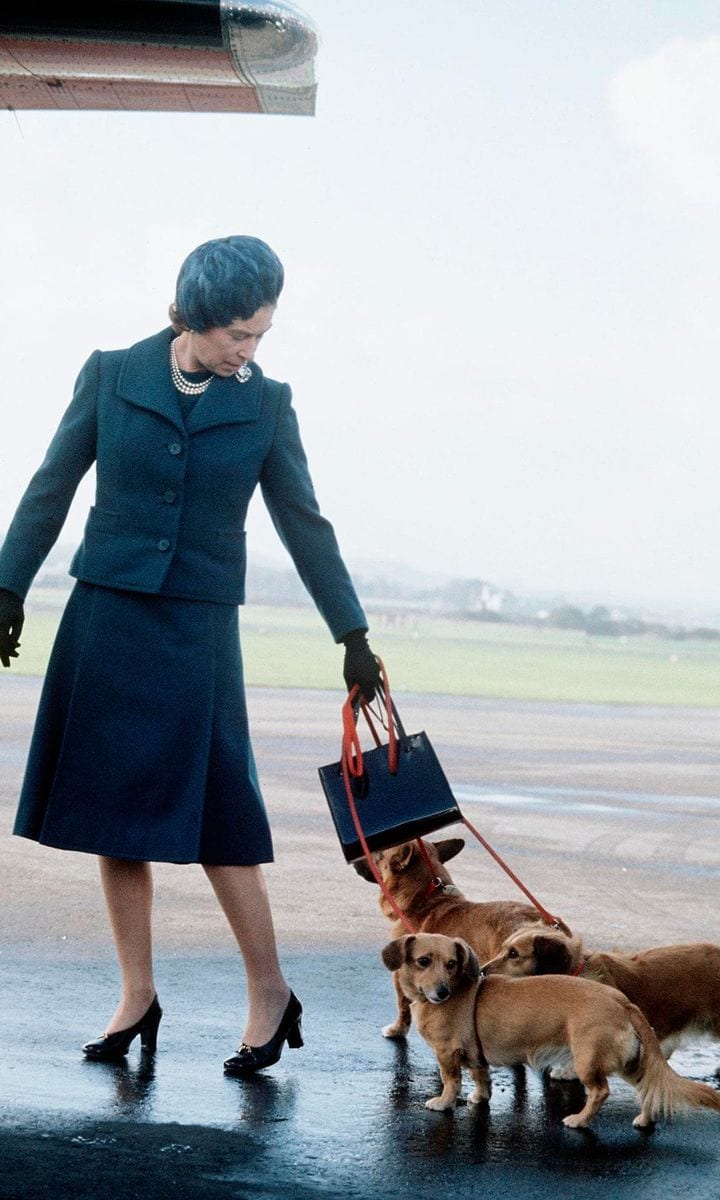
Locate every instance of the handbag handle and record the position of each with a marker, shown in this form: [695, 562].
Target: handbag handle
[351, 748]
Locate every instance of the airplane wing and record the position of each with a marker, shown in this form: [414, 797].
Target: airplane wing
[158, 55]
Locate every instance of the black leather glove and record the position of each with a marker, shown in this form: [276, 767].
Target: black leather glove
[12, 616]
[361, 665]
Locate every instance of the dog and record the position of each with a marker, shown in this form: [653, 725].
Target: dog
[433, 904]
[676, 987]
[473, 1022]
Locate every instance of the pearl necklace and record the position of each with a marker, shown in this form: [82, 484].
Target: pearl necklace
[186, 386]
[189, 387]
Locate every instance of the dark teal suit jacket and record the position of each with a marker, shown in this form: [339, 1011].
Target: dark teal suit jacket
[172, 496]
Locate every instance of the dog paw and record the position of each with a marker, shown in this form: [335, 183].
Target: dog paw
[395, 1030]
[643, 1122]
[437, 1104]
[479, 1096]
[575, 1121]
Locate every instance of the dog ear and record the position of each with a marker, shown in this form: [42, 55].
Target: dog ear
[401, 856]
[395, 953]
[363, 869]
[552, 957]
[468, 962]
[448, 848]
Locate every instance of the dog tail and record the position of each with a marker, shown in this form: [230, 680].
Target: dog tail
[662, 1091]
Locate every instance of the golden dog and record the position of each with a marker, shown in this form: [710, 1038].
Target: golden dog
[433, 904]
[676, 987]
[507, 1022]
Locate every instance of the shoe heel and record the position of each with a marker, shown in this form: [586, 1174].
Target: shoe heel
[148, 1040]
[294, 1036]
[149, 1031]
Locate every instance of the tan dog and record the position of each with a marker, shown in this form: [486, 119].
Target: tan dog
[433, 904]
[507, 1022]
[676, 987]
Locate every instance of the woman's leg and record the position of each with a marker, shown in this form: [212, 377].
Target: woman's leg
[244, 900]
[128, 888]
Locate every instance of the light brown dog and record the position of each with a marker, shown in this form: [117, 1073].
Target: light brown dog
[433, 904]
[469, 1021]
[676, 987]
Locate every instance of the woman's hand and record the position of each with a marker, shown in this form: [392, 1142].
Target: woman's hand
[360, 666]
[12, 616]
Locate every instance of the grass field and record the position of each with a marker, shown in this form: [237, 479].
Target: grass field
[292, 648]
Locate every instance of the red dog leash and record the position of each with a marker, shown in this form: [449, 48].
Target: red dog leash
[546, 916]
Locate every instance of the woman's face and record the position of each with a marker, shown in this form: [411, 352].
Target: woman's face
[225, 348]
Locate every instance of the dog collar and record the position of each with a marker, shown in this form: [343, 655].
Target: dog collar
[579, 968]
[437, 885]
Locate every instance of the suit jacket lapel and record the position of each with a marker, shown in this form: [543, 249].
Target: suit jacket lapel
[145, 381]
[226, 401]
[145, 377]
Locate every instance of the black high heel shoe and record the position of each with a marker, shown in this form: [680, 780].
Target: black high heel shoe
[248, 1059]
[116, 1045]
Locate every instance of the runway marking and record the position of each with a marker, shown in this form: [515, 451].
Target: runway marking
[572, 800]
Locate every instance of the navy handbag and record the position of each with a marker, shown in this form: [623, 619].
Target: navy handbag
[398, 790]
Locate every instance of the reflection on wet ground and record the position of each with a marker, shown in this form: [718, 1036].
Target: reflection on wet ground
[344, 1116]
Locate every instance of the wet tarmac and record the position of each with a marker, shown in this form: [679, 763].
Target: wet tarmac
[622, 839]
[344, 1116]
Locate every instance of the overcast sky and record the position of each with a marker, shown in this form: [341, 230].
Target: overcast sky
[501, 316]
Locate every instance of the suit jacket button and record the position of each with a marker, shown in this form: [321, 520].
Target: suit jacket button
[169, 496]
[175, 448]
[163, 544]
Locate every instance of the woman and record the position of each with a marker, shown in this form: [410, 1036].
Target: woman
[141, 751]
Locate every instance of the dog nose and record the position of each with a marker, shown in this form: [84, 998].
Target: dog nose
[442, 991]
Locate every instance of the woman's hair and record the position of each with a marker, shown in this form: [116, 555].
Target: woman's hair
[225, 279]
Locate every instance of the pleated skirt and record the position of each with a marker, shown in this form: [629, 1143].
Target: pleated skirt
[141, 747]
